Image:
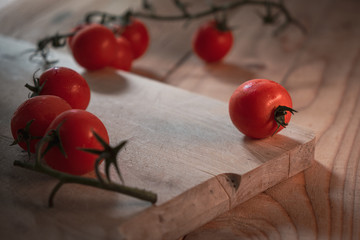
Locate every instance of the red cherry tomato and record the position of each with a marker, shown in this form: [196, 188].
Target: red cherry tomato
[67, 84]
[124, 55]
[210, 43]
[41, 110]
[94, 46]
[259, 108]
[75, 30]
[138, 36]
[76, 131]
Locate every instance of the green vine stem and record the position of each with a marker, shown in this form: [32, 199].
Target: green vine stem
[272, 11]
[93, 182]
[279, 116]
[64, 178]
[268, 18]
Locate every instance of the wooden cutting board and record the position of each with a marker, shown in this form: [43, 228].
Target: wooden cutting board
[182, 146]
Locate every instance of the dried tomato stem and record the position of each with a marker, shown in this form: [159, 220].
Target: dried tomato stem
[23, 135]
[64, 178]
[279, 115]
[53, 192]
[37, 88]
[272, 12]
[269, 17]
[68, 178]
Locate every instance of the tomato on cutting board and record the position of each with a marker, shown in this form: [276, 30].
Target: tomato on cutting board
[260, 108]
[31, 119]
[74, 31]
[75, 130]
[94, 46]
[65, 83]
[124, 55]
[138, 36]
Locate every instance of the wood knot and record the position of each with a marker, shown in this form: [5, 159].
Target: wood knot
[233, 180]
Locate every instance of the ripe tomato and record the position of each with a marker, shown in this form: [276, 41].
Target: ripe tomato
[211, 43]
[94, 46]
[124, 55]
[65, 83]
[138, 36]
[41, 110]
[258, 108]
[75, 30]
[76, 131]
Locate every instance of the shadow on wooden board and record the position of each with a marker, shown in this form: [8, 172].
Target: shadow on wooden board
[278, 213]
[106, 81]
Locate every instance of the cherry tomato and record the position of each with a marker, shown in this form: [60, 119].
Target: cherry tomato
[210, 43]
[137, 34]
[67, 84]
[94, 46]
[259, 108]
[75, 30]
[41, 110]
[75, 129]
[124, 55]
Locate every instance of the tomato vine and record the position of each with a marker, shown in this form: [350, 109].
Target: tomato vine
[273, 11]
[108, 154]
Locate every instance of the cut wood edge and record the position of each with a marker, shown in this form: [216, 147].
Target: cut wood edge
[296, 159]
[215, 196]
[242, 188]
[301, 157]
[180, 215]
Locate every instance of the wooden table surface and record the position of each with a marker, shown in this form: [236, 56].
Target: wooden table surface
[321, 70]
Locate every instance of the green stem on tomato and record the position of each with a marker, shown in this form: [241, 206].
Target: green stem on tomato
[53, 193]
[52, 138]
[23, 135]
[279, 116]
[59, 40]
[68, 178]
[186, 15]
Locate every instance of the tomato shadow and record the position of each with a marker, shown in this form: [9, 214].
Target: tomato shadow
[106, 81]
[98, 211]
[231, 73]
[268, 148]
[275, 211]
[147, 73]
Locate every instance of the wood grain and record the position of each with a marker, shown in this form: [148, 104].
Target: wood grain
[320, 69]
[323, 80]
[182, 146]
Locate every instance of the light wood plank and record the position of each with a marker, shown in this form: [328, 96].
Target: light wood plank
[323, 81]
[181, 145]
[256, 53]
[321, 66]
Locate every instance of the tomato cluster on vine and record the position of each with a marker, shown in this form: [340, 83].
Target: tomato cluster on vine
[57, 110]
[259, 108]
[124, 38]
[212, 41]
[95, 46]
[67, 140]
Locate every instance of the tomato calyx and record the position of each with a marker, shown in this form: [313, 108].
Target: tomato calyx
[66, 178]
[269, 17]
[52, 138]
[126, 19]
[221, 24]
[279, 116]
[37, 88]
[108, 154]
[24, 135]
